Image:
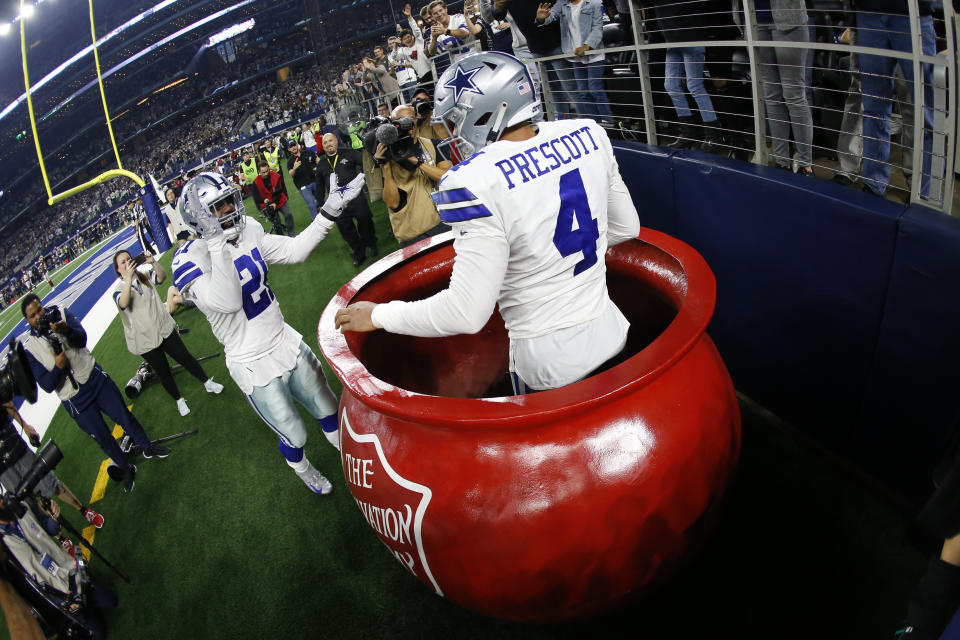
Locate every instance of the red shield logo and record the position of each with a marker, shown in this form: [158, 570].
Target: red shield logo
[392, 505]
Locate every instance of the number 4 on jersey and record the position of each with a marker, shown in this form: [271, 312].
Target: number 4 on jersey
[582, 238]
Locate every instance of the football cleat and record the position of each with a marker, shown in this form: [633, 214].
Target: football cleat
[315, 480]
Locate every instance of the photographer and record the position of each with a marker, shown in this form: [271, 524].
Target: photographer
[347, 164]
[423, 120]
[302, 167]
[411, 171]
[149, 330]
[270, 194]
[16, 458]
[58, 356]
[59, 577]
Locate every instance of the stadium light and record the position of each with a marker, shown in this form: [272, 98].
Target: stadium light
[230, 32]
[27, 11]
[4, 28]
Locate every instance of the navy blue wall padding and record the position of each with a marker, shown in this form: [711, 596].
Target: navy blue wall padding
[801, 278]
[912, 409]
[837, 310]
[648, 174]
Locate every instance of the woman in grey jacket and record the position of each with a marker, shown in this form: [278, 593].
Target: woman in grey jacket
[581, 31]
[784, 80]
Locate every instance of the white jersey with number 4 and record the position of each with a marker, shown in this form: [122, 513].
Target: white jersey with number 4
[532, 221]
[228, 283]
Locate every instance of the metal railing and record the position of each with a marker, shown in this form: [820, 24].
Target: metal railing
[754, 111]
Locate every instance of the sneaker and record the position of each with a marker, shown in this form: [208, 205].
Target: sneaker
[67, 545]
[156, 451]
[843, 180]
[128, 478]
[212, 387]
[93, 518]
[315, 480]
[182, 406]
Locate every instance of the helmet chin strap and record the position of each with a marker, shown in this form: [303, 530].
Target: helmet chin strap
[495, 130]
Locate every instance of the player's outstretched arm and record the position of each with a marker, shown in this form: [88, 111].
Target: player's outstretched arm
[284, 250]
[464, 307]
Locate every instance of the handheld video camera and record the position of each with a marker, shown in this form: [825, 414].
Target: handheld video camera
[51, 315]
[396, 137]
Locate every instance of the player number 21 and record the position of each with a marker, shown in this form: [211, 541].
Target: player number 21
[256, 293]
[582, 238]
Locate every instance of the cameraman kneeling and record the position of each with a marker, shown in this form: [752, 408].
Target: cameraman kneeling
[411, 171]
[62, 580]
[62, 364]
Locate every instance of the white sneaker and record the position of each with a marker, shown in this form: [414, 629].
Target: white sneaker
[212, 387]
[315, 480]
[182, 406]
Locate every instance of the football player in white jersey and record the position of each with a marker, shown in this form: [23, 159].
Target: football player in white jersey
[533, 206]
[224, 273]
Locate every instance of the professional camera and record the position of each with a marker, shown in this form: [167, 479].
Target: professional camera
[422, 106]
[395, 135]
[51, 315]
[48, 457]
[16, 378]
[370, 137]
[135, 384]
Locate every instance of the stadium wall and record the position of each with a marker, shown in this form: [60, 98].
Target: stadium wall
[836, 310]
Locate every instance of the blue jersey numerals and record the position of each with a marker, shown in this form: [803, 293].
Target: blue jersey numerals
[582, 238]
[256, 293]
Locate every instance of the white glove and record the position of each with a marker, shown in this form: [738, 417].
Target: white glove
[340, 197]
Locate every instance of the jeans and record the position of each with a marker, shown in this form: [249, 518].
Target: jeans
[593, 97]
[309, 194]
[406, 91]
[689, 61]
[561, 83]
[785, 96]
[876, 76]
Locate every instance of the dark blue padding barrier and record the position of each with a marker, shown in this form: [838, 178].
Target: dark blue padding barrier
[911, 410]
[819, 289]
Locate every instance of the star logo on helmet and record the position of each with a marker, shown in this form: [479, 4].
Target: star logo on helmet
[462, 82]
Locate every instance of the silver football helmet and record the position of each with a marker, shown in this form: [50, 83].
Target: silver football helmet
[480, 96]
[201, 197]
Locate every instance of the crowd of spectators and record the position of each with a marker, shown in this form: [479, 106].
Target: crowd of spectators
[394, 53]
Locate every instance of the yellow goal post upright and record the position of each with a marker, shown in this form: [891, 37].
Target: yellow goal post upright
[148, 196]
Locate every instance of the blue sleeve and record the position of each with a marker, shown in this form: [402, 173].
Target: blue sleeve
[49, 380]
[51, 526]
[76, 337]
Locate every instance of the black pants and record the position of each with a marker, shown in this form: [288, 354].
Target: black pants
[362, 235]
[157, 360]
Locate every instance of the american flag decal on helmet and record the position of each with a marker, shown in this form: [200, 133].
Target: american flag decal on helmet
[523, 87]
